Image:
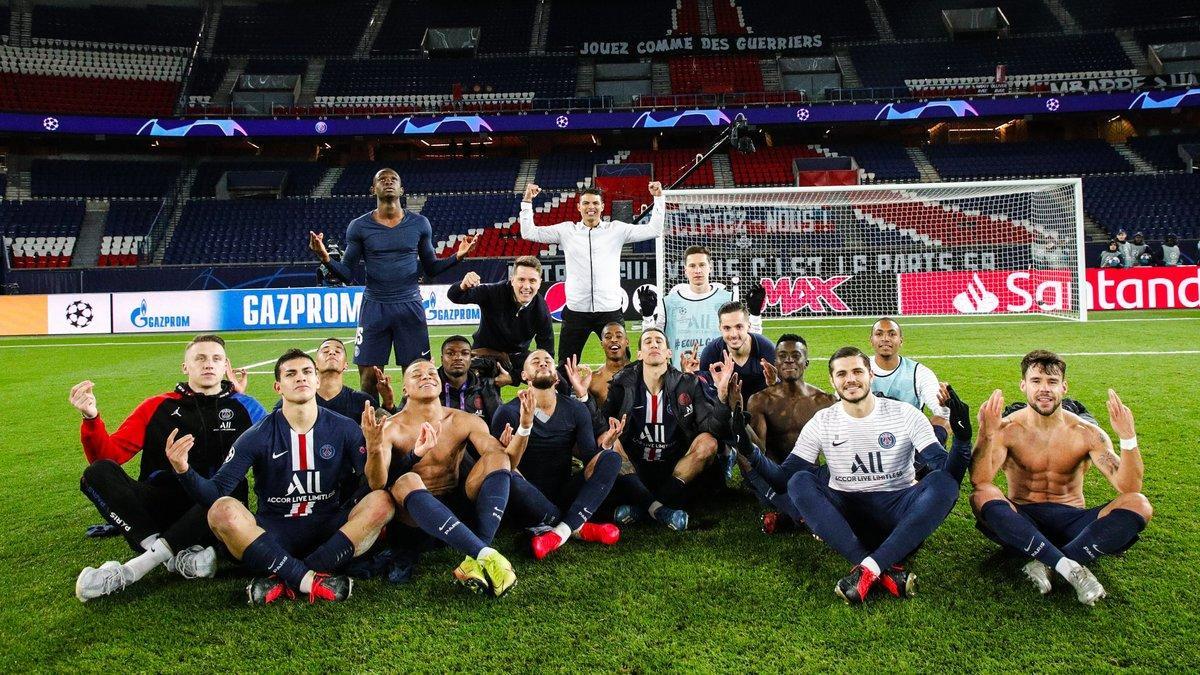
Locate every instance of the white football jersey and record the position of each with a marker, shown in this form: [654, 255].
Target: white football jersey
[869, 454]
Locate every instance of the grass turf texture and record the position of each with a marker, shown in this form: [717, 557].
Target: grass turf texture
[728, 598]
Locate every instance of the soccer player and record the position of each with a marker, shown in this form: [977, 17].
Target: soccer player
[615, 342]
[511, 313]
[156, 516]
[542, 480]
[464, 387]
[423, 474]
[396, 247]
[749, 351]
[871, 509]
[1045, 452]
[592, 249]
[690, 310]
[669, 435]
[904, 379]
[300, 455]
[332, 392]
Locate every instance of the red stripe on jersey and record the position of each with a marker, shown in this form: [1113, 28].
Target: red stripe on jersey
[303, 440]
[653, 413]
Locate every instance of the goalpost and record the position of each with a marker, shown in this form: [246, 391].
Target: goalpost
[970, 248]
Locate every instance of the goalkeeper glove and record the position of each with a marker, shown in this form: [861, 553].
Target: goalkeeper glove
[648, 300]
[756, 297]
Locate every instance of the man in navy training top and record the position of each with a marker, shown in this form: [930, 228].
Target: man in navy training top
[161, 522]
[397, 247]
[751, 352]
[423, 447]
[333, 394]
[300, 455]
[542, 480]
[511, 313]
[669, 436]
[868, 506]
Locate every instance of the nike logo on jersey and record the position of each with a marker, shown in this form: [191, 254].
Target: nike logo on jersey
[277, 455]
[835, 443]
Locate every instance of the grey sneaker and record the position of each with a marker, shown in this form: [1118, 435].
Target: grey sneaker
[194, 562]
[94, 583]
[1087, 586]
[1039, 573]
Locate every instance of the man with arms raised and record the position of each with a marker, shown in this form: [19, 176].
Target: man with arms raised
[615, 342]
[871, 509]
[542, 480]
[397, 247]
[423, 446]
[1045, 452]
[301, 455]
[592, 249]
[904, 379]
[669, 435]
[154, 513]
[511, 313]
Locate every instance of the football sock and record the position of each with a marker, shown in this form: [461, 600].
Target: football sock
[489, 505]
[869, 563]
[532, 501]
[1019, 532]
[1064, 566]
[564, 532]
[1105, 536]
[633, 490]
[653, 508]
[149, 541]
[265, 555]
[307, 582]
[593, 491]
[435, 518]
[158, 554]
[671, 492]
[330, 555]
[937, 494]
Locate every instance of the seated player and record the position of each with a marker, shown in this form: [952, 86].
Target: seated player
[1045, 452]
[300, 455]
[748, 350]
[871, 509]
[669, 435]
[542, 480]
[615, 343]
[422, 475]
[466, 387]
[511, 313]
[161, 522]
[779, 412]
[904, 379]
[332, 392]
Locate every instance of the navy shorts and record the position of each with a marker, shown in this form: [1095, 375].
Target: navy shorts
[1059, 523]
[302, 535]
[396, 327]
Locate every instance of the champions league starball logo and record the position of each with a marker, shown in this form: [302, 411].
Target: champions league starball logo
[50, 124]
[562, 121]
[79, 314]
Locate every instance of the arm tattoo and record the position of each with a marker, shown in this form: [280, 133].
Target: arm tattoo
[1109, 463]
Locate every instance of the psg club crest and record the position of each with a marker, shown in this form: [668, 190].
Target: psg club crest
[326, 451]
[887, 440]
[225, 415]
[685, 399]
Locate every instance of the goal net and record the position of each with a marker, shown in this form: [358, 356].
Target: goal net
[997, 247]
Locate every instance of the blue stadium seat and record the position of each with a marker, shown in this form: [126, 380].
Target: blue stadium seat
[1041, 158]
[101, 178]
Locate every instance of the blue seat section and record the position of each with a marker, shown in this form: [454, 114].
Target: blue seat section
[888, 161]
[1126, 14]
[923, 18]
[3, 183]
[248, 230]
[206, 76]
[1041, 158]
[302, 176]
[1163, 151]
[505, 25]
[131, 217]
[552, 76]
[455, 214]
[1155, 204]
[432, 176]
[101, 178]
[276, 66]
[307, 27]
[147, 25]
[848, 20]
[51, 218]
[563, 171]
[5, 19]
[574, 23]
[888, 65]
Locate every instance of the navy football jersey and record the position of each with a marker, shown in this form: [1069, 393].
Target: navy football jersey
[295, 474]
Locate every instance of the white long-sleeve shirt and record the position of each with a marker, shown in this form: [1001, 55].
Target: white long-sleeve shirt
[593, 254]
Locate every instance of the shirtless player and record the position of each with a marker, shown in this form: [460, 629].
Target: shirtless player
[616, 356]
[1045, 452]
[431, 440]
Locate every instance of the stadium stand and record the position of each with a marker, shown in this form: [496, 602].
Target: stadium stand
[923, 18]
[147, 25]
[1041, 158]
[491, 174]
[670, 164]
[728, 17]
[275, 66]
[308, 28]
[1163, 151]
[568, 171]
[942, 223]
[40, 233]
[887, 161]
[5, 20]
[126, 227]
[574, 23]
[302, 177]
[715, 74]
[505, 25]
[205, 77]
[82, 81]
[685, 18]
[544, 76]
[101, 178]
[848, 20]
[1156, 205]
[1100, 14]
[768, 166]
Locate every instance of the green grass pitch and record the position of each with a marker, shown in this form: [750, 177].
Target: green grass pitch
[725, 599]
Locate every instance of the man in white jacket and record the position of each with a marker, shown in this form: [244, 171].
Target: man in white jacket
[592, 249]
